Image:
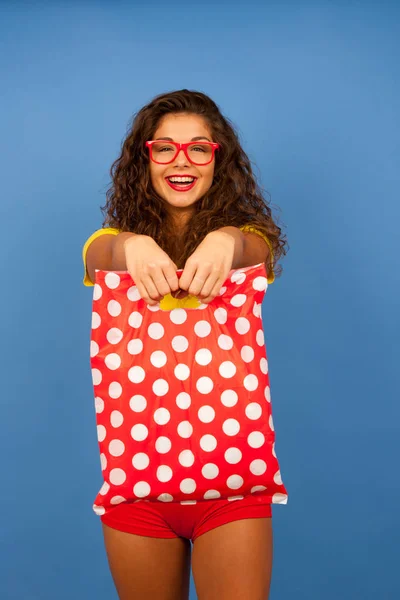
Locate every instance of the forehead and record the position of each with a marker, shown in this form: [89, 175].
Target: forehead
[182, 127]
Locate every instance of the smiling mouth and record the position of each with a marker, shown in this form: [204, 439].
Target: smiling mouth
[181, 184]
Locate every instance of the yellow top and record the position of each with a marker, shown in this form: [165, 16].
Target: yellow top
[168, 302]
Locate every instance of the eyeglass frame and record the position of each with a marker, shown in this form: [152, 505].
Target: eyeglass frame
[182, 146]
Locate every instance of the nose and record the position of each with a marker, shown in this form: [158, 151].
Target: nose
[181, 159]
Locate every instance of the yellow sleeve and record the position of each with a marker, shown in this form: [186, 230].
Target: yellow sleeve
[86, 279]
[251, 229]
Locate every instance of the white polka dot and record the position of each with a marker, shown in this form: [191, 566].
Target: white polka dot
[210, 471]
[180, 343]
[271, 423]
[139, 432]
[247, 354]
[234, 482]
[263, 365]
[178, 316]
[114, 308]
[258, 466]
[238, 277]
[140, 461]
[186, 458]
[242, 325]
[158, 359]
[114, 335]
[165, 497]
[233, 456]
[116, 418]
[221, 315]
[273, 450]
[250, 382]
[114, 389]
[133, 294]
[113, 361]
[260, 283]
[187, 486]
[117, 476]
[235, 498]
[227, 369]
[160, 387]
[136, 374]
[231, 427]
[96, 376]
[112, 280]
[103, 461]
[138, 403]
[204, 385]
[155, 331]
[225, 342]
[116, 448]
[135, 319]
[278, 478]
[141, 489]
[163, 444]
[208, 442]
[135, 347]
[212, 495]
[267, 393]
[229, 398]
[161, 416]
[99, 510]
[260, 337]
[164, 473]
[101, 433]
[94, 349]
[258, 488]
[104, 488]
[99, 404]
[257, 310]
[202, 328]
[185, 429]
[154, 308]
[181, 372]
[97, 292]
[222, 290]
[238, 300]
[96, 320]
[256, 439]
[206, 414]
[279, 499]
[253, 411]
[203, 356]
[183, 400]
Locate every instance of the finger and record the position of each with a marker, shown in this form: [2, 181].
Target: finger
[159, 280]
[208, 285]
[171, 276]
[145, 294]
[214, 292]
[151, 288]
[187, 275]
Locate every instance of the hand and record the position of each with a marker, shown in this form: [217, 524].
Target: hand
[208, 267]
[152, 270]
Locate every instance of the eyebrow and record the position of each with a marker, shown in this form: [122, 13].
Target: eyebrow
[195, 139]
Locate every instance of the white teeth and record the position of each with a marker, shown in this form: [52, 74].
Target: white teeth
[181, 179]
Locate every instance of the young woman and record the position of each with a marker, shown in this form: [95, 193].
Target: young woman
[183, 211]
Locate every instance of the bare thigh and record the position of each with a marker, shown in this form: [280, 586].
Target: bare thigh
[234, 561]
[146, 568]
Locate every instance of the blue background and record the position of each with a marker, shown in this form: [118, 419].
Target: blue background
[313, 88]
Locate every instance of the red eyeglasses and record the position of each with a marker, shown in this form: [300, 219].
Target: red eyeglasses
[198, 153]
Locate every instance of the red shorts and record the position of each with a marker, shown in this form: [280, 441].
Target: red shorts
[173, 519]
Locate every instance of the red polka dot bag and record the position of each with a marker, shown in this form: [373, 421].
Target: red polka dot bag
[182, 396]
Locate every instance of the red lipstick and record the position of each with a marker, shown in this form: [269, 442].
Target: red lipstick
[181, 187]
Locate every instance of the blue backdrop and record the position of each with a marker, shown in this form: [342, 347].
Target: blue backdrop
[314, 89]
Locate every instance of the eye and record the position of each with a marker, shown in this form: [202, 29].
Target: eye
[198, 148]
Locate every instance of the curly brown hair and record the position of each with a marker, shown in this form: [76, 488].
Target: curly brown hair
[234, 197]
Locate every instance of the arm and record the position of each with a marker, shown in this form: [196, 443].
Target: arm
[250, 248]
[107, 253]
